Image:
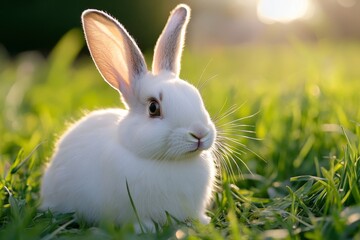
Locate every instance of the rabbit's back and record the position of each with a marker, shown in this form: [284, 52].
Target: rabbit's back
[78, 173]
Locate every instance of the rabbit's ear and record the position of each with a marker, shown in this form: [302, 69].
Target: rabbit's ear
[168, 49]
[114, 52]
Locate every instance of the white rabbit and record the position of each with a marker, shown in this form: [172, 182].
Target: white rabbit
[160, 146]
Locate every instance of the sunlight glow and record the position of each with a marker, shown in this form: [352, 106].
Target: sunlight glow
[347, 3]
[270, 11]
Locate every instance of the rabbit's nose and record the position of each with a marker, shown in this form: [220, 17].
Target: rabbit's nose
[198, 136]
[198, 131]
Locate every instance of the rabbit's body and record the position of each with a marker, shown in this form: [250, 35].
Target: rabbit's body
[158, 151]
[178, 187]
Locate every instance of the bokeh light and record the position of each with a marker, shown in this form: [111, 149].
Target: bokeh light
[270, 11]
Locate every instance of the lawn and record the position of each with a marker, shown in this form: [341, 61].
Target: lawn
[297, 170]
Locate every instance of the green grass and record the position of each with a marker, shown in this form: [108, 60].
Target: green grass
[305, 183]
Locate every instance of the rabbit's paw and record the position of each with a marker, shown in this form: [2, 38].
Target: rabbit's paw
[145, 227]
[204, 219]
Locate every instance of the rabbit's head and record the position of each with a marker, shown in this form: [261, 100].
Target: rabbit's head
[166, 116]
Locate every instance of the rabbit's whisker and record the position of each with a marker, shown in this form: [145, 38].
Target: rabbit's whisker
[206, 81]
[202, 74]
[229, 149]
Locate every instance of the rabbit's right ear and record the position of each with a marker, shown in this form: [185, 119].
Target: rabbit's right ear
[114, 52]
[169, 47]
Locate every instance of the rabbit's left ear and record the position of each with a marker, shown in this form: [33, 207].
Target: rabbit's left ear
[114, 52]
[168, 49]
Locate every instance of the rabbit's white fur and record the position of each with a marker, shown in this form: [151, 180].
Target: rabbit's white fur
[166, 160]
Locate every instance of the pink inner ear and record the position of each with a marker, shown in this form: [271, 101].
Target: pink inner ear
[115, 53]
[108, 49]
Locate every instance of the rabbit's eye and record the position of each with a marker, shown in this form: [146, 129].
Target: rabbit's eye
[154, 108]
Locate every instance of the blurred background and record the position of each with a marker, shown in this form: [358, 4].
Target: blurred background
[38, 25]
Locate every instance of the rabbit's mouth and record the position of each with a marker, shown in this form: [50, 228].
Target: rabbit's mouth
[182, 143]
[200, 145]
